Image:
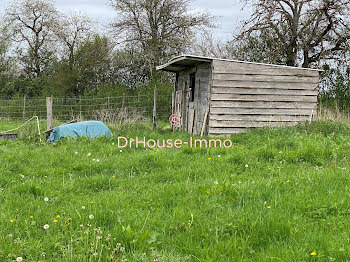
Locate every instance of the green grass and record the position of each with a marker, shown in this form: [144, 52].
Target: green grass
[277, 195]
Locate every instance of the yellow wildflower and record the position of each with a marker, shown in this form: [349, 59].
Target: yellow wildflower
[91, 202]
[11, 221]
[55, 221]
[313, 253]
[268, 207]
[58, 216]
[31, 217]
[209, 158]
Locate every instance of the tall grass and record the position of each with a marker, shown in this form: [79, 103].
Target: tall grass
[277, 195]
[333, 114]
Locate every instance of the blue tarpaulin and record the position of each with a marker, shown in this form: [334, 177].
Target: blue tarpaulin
[88, 129]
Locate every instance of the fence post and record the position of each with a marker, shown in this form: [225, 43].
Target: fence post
[80, 114]
[122, 113]
[49, 113]
[24, 108]
[155, 109]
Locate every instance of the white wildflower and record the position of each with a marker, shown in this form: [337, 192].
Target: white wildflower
[121, 151]
[46, 226]
[46, 199]
[91, 216]
[19, 259]
[246, 165]
[83, 207]
[216, 182]
[89, 154]
[76, 153]
[97, 160]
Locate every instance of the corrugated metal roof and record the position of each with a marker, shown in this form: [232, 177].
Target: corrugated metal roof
[183, 62]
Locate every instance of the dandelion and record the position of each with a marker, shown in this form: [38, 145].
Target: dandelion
[46, 199]
[112, 144]
[120, 151]
[45, 176]
[313, 253]
[19, 259]
[76, 153]
[91, 216]
[89, 154]
[31, 217]
[46, 226]
[113, 176]
[97, 160]
[94, 159]
[58, 216]
[209, 158]
[246, 166]
[268, 207]
[92, 202]
[22, 176]
[219, 155]
[83, 207]
[55, 221]
[11, 221]
[216, 182]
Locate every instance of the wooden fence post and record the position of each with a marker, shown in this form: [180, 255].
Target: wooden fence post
[155, 109]
[49, 113]
[80, 113]
[123, 108]
[24, 108]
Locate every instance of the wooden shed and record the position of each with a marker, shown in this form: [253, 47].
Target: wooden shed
[231, 96]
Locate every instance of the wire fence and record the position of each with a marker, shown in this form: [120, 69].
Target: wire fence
[107, 109]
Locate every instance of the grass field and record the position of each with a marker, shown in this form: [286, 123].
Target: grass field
[277, 195]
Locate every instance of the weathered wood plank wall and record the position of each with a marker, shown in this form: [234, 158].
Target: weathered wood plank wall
[201, 100]
[247, 95]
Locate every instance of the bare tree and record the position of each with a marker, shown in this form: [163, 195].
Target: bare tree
[159, 28]
[306, 30]
[72, 32]
[207, 45]
[31, 22]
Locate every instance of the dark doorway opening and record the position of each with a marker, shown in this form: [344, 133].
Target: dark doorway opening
[192, 85]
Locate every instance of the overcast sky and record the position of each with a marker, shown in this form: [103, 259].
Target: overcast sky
[228, 12]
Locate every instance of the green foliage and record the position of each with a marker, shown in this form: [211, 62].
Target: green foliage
[336, 91]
